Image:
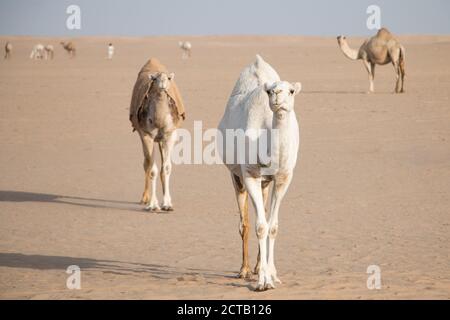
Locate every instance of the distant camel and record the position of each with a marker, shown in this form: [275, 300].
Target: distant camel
[49, 52]
[156, 111]
[37, 52]
[8, 50]
[110, 51]
[381, 49]
[186, 47]
[69, 47]
[260, 102]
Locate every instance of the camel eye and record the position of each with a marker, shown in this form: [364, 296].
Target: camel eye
[292, 91]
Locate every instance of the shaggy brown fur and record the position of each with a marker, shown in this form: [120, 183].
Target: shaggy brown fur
[142, 88]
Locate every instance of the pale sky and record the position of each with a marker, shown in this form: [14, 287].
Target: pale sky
[213, 17]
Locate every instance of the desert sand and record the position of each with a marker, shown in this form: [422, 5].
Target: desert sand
[371, 186]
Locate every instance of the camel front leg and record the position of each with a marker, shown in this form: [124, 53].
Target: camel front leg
[370, 67]
[279, 190]
[253, 186]
[149, 169]
[151, 174]
[165, 148]
[265, 185]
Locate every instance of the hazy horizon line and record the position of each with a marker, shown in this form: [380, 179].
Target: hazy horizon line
[213, 35]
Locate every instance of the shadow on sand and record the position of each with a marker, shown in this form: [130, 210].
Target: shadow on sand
[161, 272]
[21, 196]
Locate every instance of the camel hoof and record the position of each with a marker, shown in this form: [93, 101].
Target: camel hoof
[167, 208]
[260, 288]
[145, 200]
[152, 208]
[264, 286]
[245, 273]
[276, 279]
[256, 270]
[269, 286]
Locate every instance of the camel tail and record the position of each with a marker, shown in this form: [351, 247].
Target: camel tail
[402, 59]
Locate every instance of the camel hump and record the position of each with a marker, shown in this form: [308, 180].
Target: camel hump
[153, 65]
[259, 61]
[384, 33]
[264, 71]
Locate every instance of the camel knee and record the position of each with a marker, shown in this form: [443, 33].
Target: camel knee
[261, 230]
[154, 172]
[273, 231]
[146, 163]
[167, 169]
[243, 229]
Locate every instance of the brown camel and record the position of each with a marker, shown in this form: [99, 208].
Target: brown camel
[69, 47]
[156, 111]
[381, 49]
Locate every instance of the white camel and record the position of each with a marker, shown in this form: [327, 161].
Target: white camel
[186, 47]
[37, 52]
[49, 52]
[8, 50]
[260, 101]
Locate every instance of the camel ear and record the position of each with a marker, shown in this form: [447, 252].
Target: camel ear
[267, 87]
[153, 76]
[297, 87]
[171, 76]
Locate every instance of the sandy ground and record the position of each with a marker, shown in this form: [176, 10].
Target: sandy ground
[372, 185]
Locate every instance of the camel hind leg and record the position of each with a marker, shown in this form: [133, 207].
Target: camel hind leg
[396, 58]
[402, 68]
[244, 227]
[398, 77]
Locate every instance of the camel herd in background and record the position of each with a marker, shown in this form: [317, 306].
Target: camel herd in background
[260, 100]
[47, 52]
[381, 49]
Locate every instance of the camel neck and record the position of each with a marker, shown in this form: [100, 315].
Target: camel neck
[285, 145]
[283, 120]
[159, 96]
[349, 52]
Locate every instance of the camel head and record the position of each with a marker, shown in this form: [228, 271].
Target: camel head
[281, 95]
[341, 39]
[162, 80]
